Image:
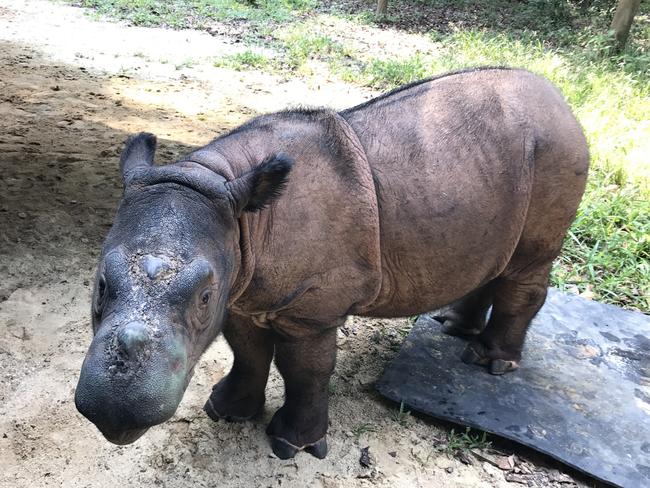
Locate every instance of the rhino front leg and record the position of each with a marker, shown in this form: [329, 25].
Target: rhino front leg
[306, 366]
[240, 395]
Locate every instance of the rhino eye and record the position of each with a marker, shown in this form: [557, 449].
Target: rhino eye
[200, 314]
[101, 295]
[101, 287]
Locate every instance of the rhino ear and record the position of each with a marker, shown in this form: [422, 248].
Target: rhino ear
[138, 152]
[257, 188]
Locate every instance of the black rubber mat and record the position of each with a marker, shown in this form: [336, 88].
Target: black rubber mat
[581, 395]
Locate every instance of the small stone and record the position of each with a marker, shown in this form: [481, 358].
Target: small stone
[525, 469]
[492, 470]
[464, 458]
[393, 454]
[365, 460]
[556, 476]
[449, 469]
[517, 478]
[22, 215]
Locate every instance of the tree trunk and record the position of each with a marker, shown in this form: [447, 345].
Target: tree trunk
[382, 7]
[625, 12]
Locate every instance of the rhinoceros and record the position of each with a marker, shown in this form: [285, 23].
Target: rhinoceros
[452, 191]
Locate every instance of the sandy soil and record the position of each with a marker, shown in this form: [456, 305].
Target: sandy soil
[71, 89]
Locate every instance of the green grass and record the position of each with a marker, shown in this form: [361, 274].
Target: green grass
[466, 441]
[389, 73]
[301, 45]
[608, 246]
[296, 48]
[607, 250]
[364, 428]
[246, 60]
[401, 415]
[183, 14]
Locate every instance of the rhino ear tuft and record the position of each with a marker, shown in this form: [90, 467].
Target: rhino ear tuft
[257, 188]
[138, 152]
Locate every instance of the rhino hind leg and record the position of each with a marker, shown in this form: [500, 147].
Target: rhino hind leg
[306, 365]
[467, 316]
[560, 173]
[516, 299]
[239, 396]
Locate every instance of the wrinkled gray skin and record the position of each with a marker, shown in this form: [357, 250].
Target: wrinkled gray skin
[452, 191]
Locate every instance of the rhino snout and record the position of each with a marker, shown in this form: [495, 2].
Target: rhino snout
[131, 379]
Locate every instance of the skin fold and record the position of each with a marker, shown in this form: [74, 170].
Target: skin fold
[455, 191]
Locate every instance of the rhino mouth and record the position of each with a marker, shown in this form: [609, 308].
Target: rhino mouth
[124, 437]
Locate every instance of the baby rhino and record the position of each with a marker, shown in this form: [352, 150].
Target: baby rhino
[453, 190]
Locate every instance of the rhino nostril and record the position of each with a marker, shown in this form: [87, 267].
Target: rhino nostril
[132, 337]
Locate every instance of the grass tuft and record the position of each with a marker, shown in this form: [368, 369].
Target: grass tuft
[364, 428]
[246, 60]
[384, 74]
[465, 441]
[401, 415]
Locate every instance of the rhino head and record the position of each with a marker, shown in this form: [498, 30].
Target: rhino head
[162, 284]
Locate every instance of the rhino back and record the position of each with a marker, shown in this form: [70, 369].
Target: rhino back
[454, 161]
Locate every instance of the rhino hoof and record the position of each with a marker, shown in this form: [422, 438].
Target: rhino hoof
[216, 416]
[501, 366]
[283, 449]
[318, 449]
[211, 411]
[475, 353]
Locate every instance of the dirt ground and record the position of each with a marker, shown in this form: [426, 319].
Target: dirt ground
[71, 90]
